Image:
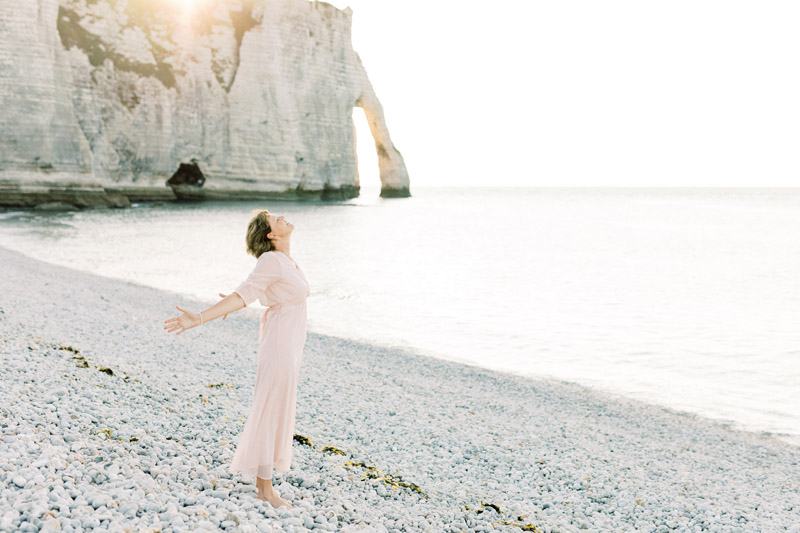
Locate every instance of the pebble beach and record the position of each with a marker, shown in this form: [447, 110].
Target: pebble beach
[107, 421]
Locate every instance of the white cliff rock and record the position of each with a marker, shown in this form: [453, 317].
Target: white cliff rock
[105, 97]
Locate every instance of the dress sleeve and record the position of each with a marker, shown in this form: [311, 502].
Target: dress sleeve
[266, 272]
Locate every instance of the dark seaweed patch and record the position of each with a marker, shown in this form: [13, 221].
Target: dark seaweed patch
[302, 440]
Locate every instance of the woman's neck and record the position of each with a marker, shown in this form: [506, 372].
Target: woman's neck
[282, 246]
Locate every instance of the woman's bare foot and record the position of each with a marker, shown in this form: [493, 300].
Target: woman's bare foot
[274, 500]
[267, 493]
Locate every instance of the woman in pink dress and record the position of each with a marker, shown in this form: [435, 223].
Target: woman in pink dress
[278, 283]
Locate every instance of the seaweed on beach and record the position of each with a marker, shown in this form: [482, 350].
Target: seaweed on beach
[372, 472]
[494, 507]
[66, 348]
[393, 480]
[81, 360]
[397, 481]
[54, 346]
[219, 386]
[332, 450]
[303, 440]
[83, 363]
[523, 527]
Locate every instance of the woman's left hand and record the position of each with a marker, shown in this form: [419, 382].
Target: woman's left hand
[181, 323]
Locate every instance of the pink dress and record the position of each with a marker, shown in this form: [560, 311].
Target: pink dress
[266, 441]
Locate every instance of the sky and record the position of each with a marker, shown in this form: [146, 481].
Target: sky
[584, 93]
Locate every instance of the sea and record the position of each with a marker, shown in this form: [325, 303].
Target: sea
[687, 298]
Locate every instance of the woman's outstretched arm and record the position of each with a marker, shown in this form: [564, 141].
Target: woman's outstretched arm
[189, 319]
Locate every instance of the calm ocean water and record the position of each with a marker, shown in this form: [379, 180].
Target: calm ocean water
[688, 298]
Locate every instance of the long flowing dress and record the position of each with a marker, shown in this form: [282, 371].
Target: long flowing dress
[266, 441]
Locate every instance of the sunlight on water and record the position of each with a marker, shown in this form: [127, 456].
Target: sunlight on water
[687, 298]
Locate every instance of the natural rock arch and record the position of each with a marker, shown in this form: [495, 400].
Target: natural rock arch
[110, 97]
[392, 167]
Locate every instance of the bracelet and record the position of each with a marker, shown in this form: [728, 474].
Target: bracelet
[201, 317]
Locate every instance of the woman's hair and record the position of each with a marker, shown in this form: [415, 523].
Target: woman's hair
[257, 230]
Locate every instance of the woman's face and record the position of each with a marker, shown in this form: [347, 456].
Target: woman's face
[280, 227]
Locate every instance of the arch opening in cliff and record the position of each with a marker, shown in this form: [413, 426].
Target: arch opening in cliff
[368, 178]
[392, 168]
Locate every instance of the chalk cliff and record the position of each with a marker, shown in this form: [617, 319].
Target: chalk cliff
[104, 100]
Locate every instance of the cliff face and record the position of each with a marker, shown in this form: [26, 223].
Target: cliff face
[112, 96]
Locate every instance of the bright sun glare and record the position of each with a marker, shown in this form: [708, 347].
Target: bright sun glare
[186, 5]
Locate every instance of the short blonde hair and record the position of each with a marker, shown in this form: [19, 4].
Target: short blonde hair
[257, 230]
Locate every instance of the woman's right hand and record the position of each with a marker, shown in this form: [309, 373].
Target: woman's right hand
[187, 320]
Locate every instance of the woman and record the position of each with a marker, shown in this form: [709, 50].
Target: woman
[277, 282]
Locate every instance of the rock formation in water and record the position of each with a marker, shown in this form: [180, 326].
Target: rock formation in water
[104, 101]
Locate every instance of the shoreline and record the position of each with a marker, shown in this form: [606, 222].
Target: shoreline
[76, 196]
[551, 454]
